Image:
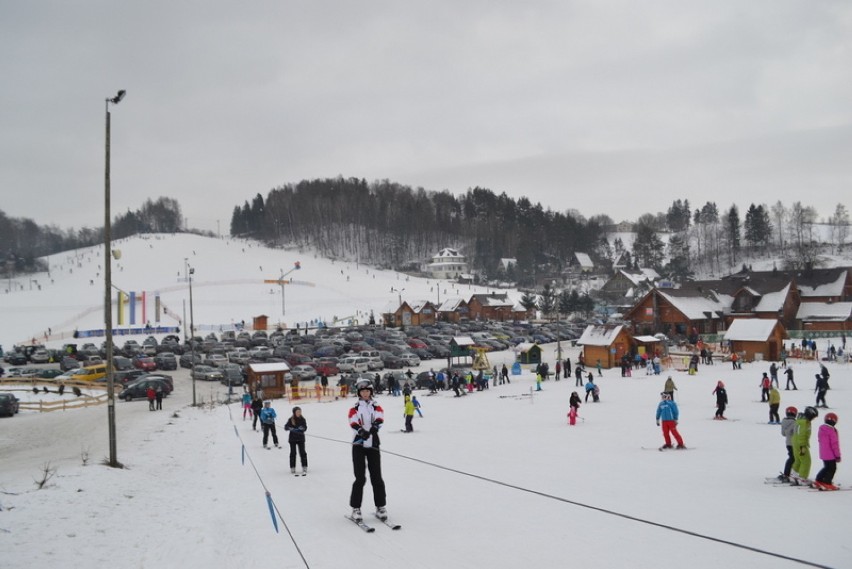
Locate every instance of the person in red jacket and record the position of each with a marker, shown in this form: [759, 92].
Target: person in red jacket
[829, 452]
[152, 396]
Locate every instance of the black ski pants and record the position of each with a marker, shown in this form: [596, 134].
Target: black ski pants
[269, 428]
[826, 474]
[788, 466]
[720, 409]
[303, 455]
[364, 459]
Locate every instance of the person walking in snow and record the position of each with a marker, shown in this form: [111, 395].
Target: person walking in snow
[829, 452]
[574, 405]
[256, 407]
[267, 423]
[802, 444]
[773, 374]
[774, 404]
[789, 373]
[152, 396]
[297, 425]
[670, 387]
[246, 401]
[158, 395]
[668, 413]
[578, 374]
[566, 369]
[788, 430]
[764, 385]
[408, 414]
[821, 389]
[721, 401]
[366, 417]
[504, 374]
[599, 366]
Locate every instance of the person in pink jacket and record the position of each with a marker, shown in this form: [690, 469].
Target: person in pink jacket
[829, 452]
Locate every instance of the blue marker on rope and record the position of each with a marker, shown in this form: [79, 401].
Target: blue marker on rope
[272, 511]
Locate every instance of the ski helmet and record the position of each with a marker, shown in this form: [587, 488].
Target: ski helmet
[792, 411]
[364, 384]
[811, 413]
[831, 418]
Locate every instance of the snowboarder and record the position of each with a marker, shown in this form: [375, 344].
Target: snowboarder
[366, 418]
[667, 412]
[721, 401]
[774, 404]
[267, 423]
[802, 442]
[829, 452]
[297, 425]
[574, 404]
[788, 430]
[764, 385]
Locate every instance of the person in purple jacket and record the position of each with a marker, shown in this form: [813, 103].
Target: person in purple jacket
[829, 452]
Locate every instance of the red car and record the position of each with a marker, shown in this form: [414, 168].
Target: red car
[144, 363]
[326, 368]
[416, 343]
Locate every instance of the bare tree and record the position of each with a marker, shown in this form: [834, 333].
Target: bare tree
[779, 214]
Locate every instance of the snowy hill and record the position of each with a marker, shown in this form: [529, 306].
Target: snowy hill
[227, 287]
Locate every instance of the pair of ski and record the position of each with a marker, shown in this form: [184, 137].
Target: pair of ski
[370, 529]
[664, 448]
[802, 483]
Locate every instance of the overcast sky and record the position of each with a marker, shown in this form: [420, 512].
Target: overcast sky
[600, 106]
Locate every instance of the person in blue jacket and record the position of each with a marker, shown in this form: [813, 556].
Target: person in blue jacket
[667, 412]
[267, 423]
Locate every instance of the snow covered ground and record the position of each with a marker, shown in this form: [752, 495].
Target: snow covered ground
[494, 479]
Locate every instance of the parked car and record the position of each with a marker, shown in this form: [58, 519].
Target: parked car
[326, 368]
[131, 348]
[189, 360]
[50, 373]
[166, 361]
[17, 359]
[409, 359]
[125, 376]
[40, 357]
[303, 372]
[206, 373]
[68, 363]
[9, 404]
[216, 360]
[391, 361]
[120, 363]
[145, 363]
[139, 389]
[87, 373]
[232, 374]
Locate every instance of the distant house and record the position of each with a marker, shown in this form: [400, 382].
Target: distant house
[271, 378]
[582, 263]
[508, 262]
[681, 312]
[825, 316]
[757, 338]
[415, 313]
[605, 343]
[490, 307]
[631, 284]
[448, 263]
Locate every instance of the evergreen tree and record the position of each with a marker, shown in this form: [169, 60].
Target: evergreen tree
[547, 301]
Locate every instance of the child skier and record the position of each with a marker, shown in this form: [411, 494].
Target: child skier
[764, 385]
[246, 399]
[417, 406]
[788, 430]
[829, 452]
[366, 418]
[574, 403]
[409, 415]
[801, 445]
[774, 404]
[721, 401]
[667, 412]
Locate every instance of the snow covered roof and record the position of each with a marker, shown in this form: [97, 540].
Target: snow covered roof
[834, 288]
[519, 308]
[641, 276]
[772, 301]
[750, 329]
[463, 341]
[824, 311]
[584, 260]
[417, 306]
[524, 347]
[268, 368]
[646, 339]
[599, 335]
[447, 253]
[696, 307]
[451, 304]
[505, 262]
[495, 300]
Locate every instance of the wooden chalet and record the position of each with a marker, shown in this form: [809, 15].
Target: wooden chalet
[674, 312]
[827, 316]
[527, 353]
[605, 343]
[490, 307]
[629, 284]
[452, 310]
[417, 313]
[756, 338]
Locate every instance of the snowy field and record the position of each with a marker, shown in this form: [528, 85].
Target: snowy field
[494, 479]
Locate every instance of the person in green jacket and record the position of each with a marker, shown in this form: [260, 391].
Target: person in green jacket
[774, 404]
[802, 444]
[409, 415]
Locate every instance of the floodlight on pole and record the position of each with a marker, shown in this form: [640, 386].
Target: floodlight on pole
[113, 452]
